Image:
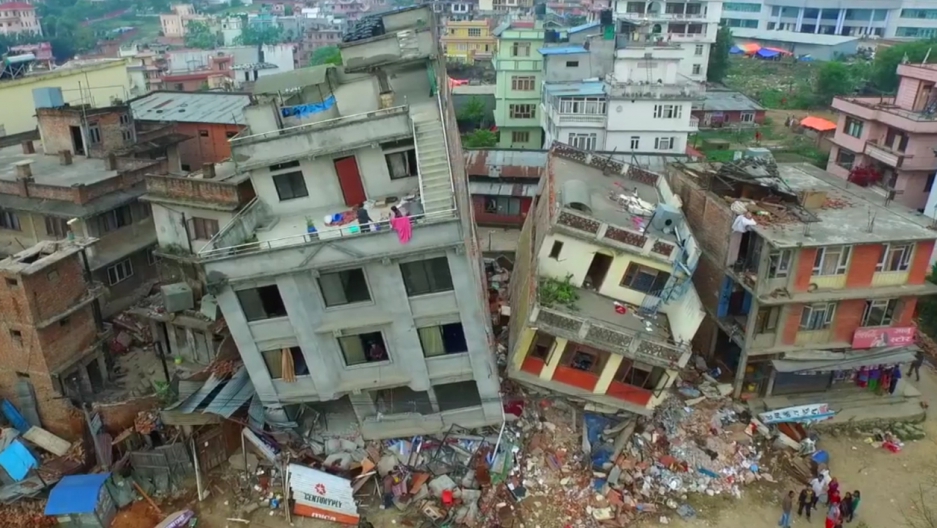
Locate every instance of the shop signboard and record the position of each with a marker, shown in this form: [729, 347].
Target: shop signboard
[322, 496]
[883, 337]
[816, 412]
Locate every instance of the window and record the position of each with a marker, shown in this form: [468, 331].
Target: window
[503, 205]
[520, 49]
[699, 50]
[16, 336]
[275, 359]
[365, 348]
[401, 164]
[204, 228]
[747, 117]
[127, 135]
[572, 64]
[644, 279]
[12, 282]
[203, 133]
[697, 69]
[779, 263]
[845, 158]
[290, 186]
[283, 166]
[583, 141]
[831, 260]
[151, 257]
[112, 220]
[443, 339]
[853, 127]
[556, 250]
[94, 134]
[895, 258]
[401, 400]
[879, 313]
[474, 32]
[344, 287]
[767, 320]
[668, 111]
[635, 142]
[523, 83]
[746, 7]
[519, 136]
[459, 395]
[230, 135]
[426, 276]
[261, 303]
[582, 105]
[638, 375]
[817, 316]
[522, 111]
[119, 272]
[9, 220]
[663, 143]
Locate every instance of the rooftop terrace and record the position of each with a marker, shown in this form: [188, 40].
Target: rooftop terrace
[48, 170]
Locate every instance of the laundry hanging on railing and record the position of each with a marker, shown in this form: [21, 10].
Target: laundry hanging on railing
[308, 109]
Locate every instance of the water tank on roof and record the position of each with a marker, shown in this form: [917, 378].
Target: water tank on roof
[48, 97]
[666, 218]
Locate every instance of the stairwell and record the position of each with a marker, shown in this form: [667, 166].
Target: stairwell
[432, 159]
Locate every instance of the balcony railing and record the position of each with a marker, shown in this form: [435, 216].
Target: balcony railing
[321, 125]
[655, 15]
[615, 235]
[644, 90]
[655, 40]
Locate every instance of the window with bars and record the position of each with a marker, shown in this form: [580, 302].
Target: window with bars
[10, 220]
[895, 258]
[817, 316]
[474, 32]
[832, 260]
[582, 105]
[520, 136]
[583, 141]
[523, 111]
[879, 312]
[204, 228]
[668, 111]
[523, 83]
[644, 279]
[119, 272]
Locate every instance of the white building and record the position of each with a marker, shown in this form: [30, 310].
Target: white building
[883, 18]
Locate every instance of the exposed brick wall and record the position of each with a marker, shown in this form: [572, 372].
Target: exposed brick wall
[848, 317]
[920, 264]
[119, 416]
[193, 189]
[791, 323]
[709, 218]
[804, 269]
[56, 125]
[121, 295]
[906, 314]
[862, 267]
[708, 281]
[200, 149]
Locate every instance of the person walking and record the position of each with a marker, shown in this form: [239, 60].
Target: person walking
[832, 515]
[856, 496]
[787, 505]
[895, 376]
[816, 484]
[916, 365]
[805, 502]
[845, 507]
[832, 492]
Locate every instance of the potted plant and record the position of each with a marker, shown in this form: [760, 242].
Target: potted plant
[310, 225]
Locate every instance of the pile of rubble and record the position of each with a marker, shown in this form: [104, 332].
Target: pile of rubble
[25, 513]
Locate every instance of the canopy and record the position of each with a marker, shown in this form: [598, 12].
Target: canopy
[75, 494]
[747, 49]
[844, 361]
[766, 53]
[817, 123]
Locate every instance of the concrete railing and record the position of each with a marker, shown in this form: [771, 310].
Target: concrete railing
[321, 125]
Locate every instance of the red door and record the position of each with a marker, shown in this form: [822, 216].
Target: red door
[350, 180]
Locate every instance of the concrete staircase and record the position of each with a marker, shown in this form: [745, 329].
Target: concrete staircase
[432, 161]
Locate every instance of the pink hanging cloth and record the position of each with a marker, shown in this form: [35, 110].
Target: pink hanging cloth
[401, 224]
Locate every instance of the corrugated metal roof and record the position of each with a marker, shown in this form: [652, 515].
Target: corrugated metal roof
[503, 189]
[719, 101]
[75, 494]
[563, 50]
[576, 88]
[584, 27]
[292, 80]
[192, 402]
[206, 107]
[233, 395]
[506, 163]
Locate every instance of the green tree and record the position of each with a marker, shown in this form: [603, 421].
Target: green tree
[719, 56]
[288, 11]
[473, 113]
[575, 20]
[326, 55]
[884, 68]
[481, 138]
[254, 35]
[833, 78]
[199, 35]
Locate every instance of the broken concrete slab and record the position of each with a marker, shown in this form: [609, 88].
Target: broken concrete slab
[441, 484]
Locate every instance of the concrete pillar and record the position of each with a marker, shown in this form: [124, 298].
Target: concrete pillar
[868, 29]
[800, 19]
[740, 375]
[297, 293]
[816, 25]
[250, 354]
[522, 347]
[608, 374]
[553, 360]
[839, 21]
[363, 405]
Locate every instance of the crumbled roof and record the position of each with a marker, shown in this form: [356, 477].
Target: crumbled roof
[192, 107]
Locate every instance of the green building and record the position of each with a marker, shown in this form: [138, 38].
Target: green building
[519, 68]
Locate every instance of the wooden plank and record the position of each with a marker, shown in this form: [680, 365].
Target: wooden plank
[47, 441]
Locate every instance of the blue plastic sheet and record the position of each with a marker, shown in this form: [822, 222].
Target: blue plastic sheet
[17, 460]
[307, 110]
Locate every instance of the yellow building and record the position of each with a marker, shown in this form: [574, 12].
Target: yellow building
[97, 83]
[603, 307]
[469, 40]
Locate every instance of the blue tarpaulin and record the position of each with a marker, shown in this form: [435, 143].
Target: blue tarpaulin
[595, 425]
[308, 109]
[735, 50]
[14, 417]
[17, 460]
[75, 494]
[767, 53]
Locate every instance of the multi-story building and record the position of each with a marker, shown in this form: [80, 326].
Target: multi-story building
[686, 29]
[386, 331]
[505, 6]
[800, 298]
[469, 40]
[893, 137]
[52, 340]
[603, 305]
[175, 25]
[19, 18]
[519, 68]
[882, 18]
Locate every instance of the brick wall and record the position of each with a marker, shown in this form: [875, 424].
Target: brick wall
[709, 217]
[920, 263]
[56, 126]
[803, 271]
[848, 317]
[211, 148]
[708, 281]
[791, 323]
[192, 189]
[862, 266]
[119, 416]
[905, 315]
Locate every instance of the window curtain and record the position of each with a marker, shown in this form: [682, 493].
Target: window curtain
[274, 363]
[286, 362]
[354, 351]
[431, 338]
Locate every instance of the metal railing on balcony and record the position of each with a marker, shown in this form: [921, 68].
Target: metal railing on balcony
[655, 40]
[321, 125]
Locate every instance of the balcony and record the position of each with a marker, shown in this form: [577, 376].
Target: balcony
[616, 236]
[662, 17]
[884, 110]
[581, 120]
[642, 90]
[878, 150]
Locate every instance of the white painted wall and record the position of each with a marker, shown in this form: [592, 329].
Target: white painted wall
[623, 115]
[171, 221]
[685, 315]
[620, 141]
[636, 70]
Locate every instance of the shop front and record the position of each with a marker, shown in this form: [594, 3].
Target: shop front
[824, 370]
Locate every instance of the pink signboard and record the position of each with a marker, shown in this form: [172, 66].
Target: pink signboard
[882, 337]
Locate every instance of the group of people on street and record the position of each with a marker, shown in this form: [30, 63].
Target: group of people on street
[825, 490]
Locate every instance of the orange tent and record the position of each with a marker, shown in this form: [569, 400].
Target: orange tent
[817, 123]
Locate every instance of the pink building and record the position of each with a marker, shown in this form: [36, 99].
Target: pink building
[893, 137]
[18, 18]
